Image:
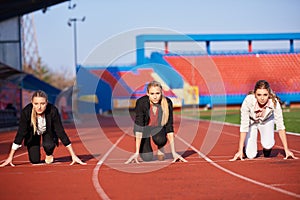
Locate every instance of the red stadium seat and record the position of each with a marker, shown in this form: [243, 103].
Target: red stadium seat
[240, 72]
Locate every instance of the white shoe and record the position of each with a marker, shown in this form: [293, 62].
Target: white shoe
[49, 159]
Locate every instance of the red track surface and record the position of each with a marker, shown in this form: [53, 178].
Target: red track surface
[211, 177]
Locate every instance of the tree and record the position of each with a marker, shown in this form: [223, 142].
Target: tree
[57, 79]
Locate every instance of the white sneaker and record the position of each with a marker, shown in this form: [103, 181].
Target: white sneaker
[49, 159]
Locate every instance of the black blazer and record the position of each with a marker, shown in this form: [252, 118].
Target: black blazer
[142, 115]
[54, 126]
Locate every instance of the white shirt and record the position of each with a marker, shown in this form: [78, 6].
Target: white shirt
[41, 125]
[248, 116]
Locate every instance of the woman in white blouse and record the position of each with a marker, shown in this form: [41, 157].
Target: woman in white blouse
[259, 112]
[40, 119]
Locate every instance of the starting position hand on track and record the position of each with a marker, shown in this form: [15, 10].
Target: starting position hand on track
[178, 157]
[6, 162]
[238, 155]
[9, 159]
[288, 154]
[75, 159]
[133, 158]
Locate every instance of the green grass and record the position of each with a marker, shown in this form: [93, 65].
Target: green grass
[291, 117]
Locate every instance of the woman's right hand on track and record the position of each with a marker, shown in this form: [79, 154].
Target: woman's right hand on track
[7, 161]
[239, 155]
[133, 158]
[288, 154]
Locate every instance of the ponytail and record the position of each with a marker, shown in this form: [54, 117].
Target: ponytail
[165, 111]
[33, 120]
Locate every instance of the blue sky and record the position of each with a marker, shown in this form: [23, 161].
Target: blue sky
[105, 19]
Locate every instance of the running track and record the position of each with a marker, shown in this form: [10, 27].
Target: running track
[106, 176]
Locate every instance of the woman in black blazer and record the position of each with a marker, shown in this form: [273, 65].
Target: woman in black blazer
[40, 119]
[153, 119]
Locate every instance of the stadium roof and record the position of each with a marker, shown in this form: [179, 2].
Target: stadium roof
[14, 8]
[7, 72]
[26, 81]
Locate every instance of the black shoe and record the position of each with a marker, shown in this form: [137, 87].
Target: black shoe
[267, 152]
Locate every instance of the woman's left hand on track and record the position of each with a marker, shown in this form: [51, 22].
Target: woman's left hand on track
[133, 158]
[176, 157]
[75, 159]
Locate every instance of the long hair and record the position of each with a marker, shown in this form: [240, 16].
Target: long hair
[38, 93]
[263, 84]
[163, 102]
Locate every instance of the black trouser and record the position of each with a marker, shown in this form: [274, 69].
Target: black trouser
[159, 138]
[34, 146]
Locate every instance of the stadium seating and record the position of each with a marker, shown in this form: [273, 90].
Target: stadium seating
[237, 72]
[240, 72]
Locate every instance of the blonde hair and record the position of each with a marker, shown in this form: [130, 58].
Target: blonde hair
[263, 84]
[163, 102]
[38, 93]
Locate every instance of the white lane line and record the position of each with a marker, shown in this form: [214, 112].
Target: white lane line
[234, 135]
[6, 141]
[103, 195]
[236, 125]
[237, 135]
[95, 179]
[238, 175]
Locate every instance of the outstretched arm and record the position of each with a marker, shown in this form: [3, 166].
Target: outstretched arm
[75, 159]
[176, 156]
[239, 154]
[288, 153]
[10, 156]
[9, 159]
[22, 131]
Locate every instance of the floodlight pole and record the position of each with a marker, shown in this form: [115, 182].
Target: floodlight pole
[75, 88]
[74, 21]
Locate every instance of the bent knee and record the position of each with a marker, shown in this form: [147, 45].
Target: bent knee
[267, 146]
[147, 156]
[35, 160]
[251, 155]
